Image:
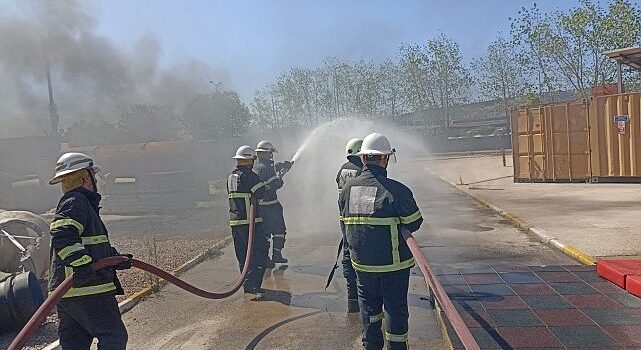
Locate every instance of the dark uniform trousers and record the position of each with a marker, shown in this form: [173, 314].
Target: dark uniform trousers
[348, 270]
[374, 290]
[260, 255]
[85, 318]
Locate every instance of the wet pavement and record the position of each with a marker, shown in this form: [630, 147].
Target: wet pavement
[299, 314]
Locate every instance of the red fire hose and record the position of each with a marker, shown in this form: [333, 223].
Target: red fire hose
[39, 317]
[441, 296]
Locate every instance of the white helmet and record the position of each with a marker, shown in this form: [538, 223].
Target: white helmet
[266, 146]
[375, 145]
[70, 163]
[245, 152]
[353, 146]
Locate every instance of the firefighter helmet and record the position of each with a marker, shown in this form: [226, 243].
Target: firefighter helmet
[245, 152]
[266, 146]
[375, 145]
[353, 146]
[70, 163]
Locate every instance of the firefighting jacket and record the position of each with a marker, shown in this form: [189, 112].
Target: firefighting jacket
[374, 208]
[243, 185]
[267, 174]
[79, 237]
[349, 170]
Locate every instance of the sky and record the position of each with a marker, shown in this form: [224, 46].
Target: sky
[256, 40]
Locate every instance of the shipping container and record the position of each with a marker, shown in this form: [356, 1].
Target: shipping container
[551, 143]
[597, 140]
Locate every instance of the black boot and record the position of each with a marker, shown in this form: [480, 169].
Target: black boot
[352, 306]
[277, 257]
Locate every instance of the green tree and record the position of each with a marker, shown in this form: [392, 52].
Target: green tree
[146, 123]
[217, 115]
[499, 76]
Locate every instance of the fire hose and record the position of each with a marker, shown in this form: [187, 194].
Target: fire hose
[39, 317]
[443, 300]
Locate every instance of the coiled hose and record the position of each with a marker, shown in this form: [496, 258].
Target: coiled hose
[41, 314]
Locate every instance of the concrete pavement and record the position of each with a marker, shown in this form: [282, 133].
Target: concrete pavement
[298, 314]
[601, 220]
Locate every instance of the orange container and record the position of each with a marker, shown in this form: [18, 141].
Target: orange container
[597, 140]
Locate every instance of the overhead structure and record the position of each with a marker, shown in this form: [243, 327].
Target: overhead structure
[630, 57]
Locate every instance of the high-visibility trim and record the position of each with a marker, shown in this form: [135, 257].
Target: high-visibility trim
[376, 318]
[84, 291]
[66, 251]
[243, 222]
[91, 240]
[396, 257]
[262, 202]
[384, 268]
[369, 220]
[396, 338]
[239, 195]
[257, 187]
[83, 260]
[278, 235]
[67, 222]
[411, 218]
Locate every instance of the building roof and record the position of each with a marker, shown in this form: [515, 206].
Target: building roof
[630, 56]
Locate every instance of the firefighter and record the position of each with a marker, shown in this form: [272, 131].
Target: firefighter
[243, 188]
[349, 170]
[270, 208]
[375, 209]
[79, 238]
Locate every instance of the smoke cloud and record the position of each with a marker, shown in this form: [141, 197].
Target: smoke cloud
[93, 78]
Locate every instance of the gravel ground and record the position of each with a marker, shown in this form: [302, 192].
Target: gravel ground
[164, 241]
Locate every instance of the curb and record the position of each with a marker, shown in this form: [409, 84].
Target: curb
[568, 250]
[129, 303]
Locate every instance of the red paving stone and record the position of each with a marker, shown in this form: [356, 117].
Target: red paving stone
[482, 278]
[563, 317]
[531, 337]
[625, 335]
[504, 303]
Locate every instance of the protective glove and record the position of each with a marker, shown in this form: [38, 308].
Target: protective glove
[82, 275]
[123, 265]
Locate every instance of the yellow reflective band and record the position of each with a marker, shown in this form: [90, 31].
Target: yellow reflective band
[258, 185]
[411, 218]
[95, 240]
[83, 260]
[91, 290]
[396, 257]
[66, 222]
[368, 220]
[262, 202]
[239, 195]
[384, 268]
[376, 318]
[397, 338]
[66, 251]
[243, 222]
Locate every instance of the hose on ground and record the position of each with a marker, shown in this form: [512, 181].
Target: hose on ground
[443, 300]
[41, 314]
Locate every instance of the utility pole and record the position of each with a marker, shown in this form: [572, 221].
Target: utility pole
[54, 118]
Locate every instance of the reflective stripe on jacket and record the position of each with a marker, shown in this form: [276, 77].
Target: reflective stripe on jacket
[348, 171]
[373, 209]
[79, 237]
[265, 170]
[242, 186]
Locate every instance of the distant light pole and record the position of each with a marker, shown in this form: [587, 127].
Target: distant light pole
[216, 85]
